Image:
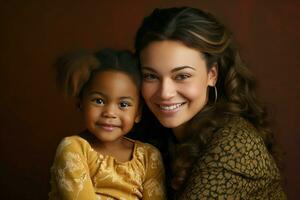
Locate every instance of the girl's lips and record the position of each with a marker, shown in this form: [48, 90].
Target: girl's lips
[108, 127]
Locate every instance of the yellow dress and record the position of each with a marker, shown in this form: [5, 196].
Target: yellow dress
[79, 172]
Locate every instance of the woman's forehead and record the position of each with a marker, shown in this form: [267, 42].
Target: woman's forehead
[170, 55]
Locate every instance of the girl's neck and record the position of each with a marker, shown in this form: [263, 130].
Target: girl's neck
[121, 149]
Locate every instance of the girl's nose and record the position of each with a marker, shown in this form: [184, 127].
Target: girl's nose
[109, 111]
[167, 89]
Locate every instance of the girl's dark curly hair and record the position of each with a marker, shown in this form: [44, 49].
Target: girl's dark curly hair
[235, 85]
[76, 69]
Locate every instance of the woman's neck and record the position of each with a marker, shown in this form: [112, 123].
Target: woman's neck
[179, 132]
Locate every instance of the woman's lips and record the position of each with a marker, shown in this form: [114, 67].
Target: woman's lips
[170, 108]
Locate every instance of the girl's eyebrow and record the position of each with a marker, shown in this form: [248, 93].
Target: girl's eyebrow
[106, 96]
[173, 70]
[127, 98]
[96, 92]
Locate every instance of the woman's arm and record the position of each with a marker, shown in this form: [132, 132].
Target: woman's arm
[236, 165]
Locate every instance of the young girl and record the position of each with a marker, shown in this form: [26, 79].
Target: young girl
[101, 163]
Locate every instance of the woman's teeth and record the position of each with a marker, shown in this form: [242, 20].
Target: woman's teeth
[172, 107]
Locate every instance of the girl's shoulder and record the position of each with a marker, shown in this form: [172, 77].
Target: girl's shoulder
[146, 146]
[73, 140]
[146, 152]
[74, 143]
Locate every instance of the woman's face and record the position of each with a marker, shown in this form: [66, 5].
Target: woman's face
[175, 81]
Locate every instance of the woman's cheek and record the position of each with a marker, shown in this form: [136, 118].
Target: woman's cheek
[194, 91]
[148, 90]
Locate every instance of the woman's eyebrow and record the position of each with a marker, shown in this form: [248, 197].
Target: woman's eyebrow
[147, 68]
[182, 67]
[173, 70]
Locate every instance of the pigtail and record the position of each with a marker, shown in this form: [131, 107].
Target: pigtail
[74, 71]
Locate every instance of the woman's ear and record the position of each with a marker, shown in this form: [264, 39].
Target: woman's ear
[213, 75]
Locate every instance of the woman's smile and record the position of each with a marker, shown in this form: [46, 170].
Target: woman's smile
[175, 81]
[170, 108]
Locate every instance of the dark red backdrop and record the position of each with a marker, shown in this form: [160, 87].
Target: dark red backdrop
[34, 116]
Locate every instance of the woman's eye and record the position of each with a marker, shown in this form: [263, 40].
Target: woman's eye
[182, 76]
[149, 77]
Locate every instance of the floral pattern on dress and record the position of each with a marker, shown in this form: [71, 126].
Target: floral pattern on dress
[82, 173]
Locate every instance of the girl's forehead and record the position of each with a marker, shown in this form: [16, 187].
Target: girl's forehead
[134, 75]
[112, 79]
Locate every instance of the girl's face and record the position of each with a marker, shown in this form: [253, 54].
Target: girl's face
[110, 105]
[175, 81]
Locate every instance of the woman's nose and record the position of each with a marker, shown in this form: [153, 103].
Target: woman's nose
[167, 89]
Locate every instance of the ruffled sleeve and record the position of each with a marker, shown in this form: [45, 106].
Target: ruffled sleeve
[154, 183]
[70, 177]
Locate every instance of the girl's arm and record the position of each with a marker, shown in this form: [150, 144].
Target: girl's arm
[70, 173]
[154, 184]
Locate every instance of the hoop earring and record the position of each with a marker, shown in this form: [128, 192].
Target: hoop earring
[216, 94]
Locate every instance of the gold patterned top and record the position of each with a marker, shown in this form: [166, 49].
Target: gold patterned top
[235, 165]
[79, 172]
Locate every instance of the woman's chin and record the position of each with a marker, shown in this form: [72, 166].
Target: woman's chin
[168, 123]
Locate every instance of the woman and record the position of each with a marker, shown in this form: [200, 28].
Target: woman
[196, 85]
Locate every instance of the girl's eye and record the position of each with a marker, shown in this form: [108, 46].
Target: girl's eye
[98, 101]
[149, 77]
[182, 76]
[124, 104]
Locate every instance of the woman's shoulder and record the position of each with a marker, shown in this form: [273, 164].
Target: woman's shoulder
[235, 162]
[239, 122]
[237, 134]
[239, 147]
[237, 129]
